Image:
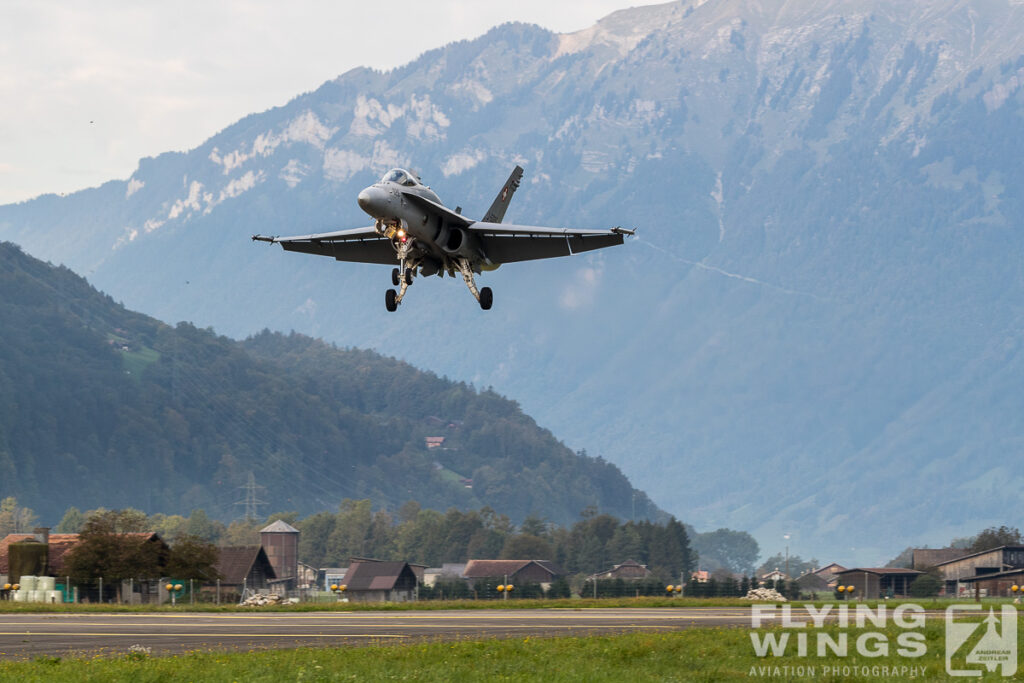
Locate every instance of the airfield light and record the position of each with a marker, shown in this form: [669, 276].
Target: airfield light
[174, 589]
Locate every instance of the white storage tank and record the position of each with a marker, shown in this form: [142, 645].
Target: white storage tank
[46, 583]
[28, 583]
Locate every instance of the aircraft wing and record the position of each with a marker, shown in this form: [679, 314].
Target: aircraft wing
[505, 243]
[360, 245]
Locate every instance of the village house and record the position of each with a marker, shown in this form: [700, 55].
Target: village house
[628, 570]
[370, 580]
[543, 572]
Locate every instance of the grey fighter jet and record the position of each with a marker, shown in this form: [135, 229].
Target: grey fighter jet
[425, 237]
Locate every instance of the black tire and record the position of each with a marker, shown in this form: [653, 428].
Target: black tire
[486, 298]
[389, 300]
[394, 277]
[408, 276]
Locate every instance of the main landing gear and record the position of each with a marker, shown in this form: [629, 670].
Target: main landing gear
[484, 296]
[403, 277]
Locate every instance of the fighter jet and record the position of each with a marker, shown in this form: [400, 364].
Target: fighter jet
[413, 227]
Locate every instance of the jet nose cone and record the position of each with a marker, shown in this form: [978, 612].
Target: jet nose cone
[370, 201]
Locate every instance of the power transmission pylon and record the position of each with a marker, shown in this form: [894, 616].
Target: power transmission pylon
[251, 502]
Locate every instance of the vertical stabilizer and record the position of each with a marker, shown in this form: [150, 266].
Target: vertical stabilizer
[500, 205]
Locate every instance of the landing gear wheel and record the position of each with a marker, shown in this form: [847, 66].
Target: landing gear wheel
[389, 300]
[394, 277]
[486, 298]
[408, 276]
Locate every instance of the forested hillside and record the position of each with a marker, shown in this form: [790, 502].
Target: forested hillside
[101, 406]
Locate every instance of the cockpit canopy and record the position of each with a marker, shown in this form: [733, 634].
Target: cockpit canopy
[400, 176]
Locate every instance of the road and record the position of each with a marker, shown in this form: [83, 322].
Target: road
[23, 636]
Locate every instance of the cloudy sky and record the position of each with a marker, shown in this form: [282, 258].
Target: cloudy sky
[89, 88]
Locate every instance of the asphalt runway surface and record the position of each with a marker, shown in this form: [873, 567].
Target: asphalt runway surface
[24, 636]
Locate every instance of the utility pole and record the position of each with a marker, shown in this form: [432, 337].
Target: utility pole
[787, 556]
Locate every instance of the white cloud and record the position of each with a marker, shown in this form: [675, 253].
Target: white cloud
[461, 161]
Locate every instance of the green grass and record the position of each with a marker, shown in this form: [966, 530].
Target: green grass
[136, 361]
[720, 654]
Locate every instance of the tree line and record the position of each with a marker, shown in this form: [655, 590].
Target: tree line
[594, 543]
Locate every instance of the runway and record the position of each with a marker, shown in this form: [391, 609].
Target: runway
[23, 636]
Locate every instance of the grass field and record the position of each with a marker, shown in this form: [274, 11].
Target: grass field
[694, 655]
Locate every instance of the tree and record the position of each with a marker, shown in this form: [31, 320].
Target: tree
[126, 521]
[351, 532]
[559, 588]
[925, 586]
[313, 539]
[71, 522]
[734, 550]
[111, 547]
[192, 557]
[242, 532]
[534, 526]
[905, 560]
[201, 526]
[994, 538]
[526, 547]
[625, 544]
[170, 527]
[797, 565]
[14, 518]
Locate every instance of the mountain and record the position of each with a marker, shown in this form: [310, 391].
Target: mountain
[101, 406]
[817, 330]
